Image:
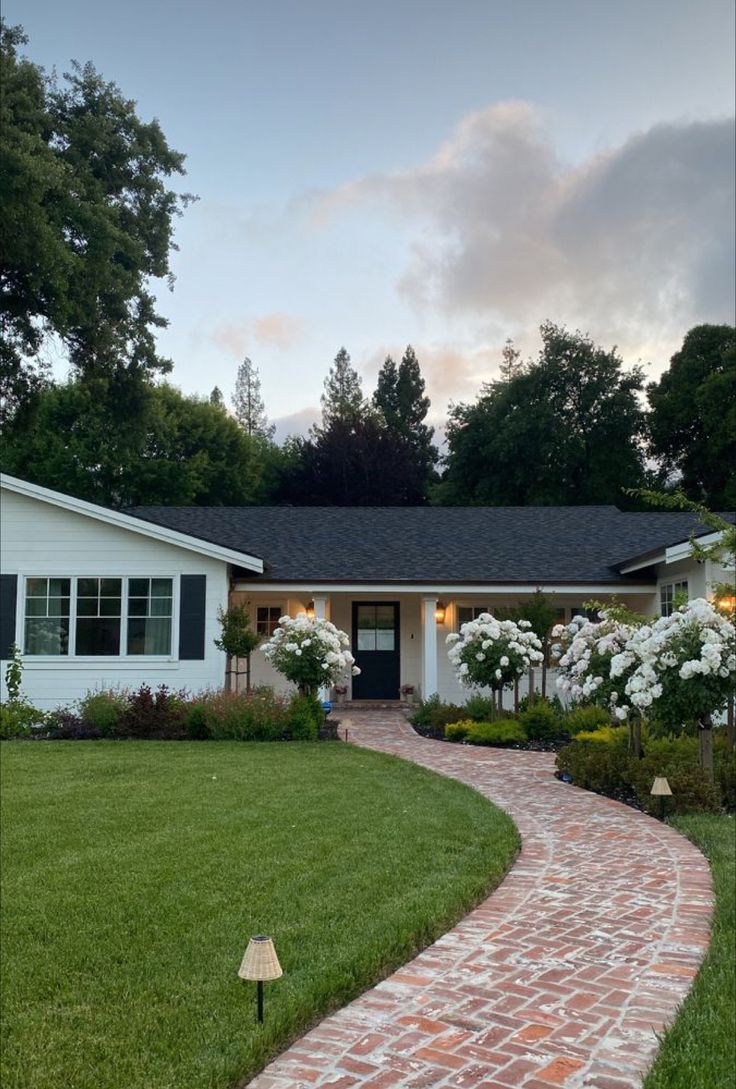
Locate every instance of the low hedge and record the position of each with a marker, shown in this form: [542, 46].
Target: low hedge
[503, 732]
[606, 767]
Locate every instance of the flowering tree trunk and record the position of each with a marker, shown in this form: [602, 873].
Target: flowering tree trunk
[705, 732]
[731, 724]
[635, 736]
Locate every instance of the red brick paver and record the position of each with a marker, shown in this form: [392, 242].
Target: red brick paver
[563, 977]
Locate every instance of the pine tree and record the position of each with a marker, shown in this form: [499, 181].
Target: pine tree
[400, 396]
[511, 364]
[343, 397]
[250, 410]
[216, 397]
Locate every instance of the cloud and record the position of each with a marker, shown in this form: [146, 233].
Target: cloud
[277, 330]
[296, 423]
[633, 245]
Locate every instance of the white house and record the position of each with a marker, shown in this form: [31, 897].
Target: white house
[96, 597]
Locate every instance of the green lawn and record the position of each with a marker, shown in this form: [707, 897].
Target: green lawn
[134, 874]
[700, 1050]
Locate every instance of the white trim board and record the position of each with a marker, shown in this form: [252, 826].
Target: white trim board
[131, 523]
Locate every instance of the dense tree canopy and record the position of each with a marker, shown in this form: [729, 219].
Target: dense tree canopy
[86, 223]
[565, 430]
[172, 449]
[361, 464]
[692, 425]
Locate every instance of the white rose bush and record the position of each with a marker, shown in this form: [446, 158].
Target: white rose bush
[490, 653]
[680, 668]
[311, 653]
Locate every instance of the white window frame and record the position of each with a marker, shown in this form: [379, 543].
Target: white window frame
[267, 605]
[677, 586]
[125, 658]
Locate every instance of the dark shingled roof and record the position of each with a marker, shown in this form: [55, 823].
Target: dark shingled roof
[539, 545]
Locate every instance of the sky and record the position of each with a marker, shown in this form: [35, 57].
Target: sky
[445, 174]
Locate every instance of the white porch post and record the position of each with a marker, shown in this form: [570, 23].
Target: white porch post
[320, 613]
[429, 647]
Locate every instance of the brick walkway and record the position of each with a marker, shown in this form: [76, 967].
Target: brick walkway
[564, 976]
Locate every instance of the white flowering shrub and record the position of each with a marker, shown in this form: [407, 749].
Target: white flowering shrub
[310, 653]
[684, 665]
[585, 651]
[490, 653]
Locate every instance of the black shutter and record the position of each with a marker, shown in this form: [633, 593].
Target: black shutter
[8, 606]
[192, 617]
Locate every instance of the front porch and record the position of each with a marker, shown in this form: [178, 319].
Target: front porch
[398, 635]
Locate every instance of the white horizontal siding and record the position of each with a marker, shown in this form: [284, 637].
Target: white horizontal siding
[39, 539]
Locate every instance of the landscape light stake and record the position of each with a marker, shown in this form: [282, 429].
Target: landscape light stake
[661, 789]
[260, 963]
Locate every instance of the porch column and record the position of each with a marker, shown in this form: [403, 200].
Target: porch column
[429, 647]
[320, 613]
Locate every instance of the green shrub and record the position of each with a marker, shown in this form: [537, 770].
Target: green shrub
[541, 721]
[606, 735]
[306, 715]
[483, 709]
[240, 716]
[529, 700]
[196, 721]
[601, 768]
[503, 732]
[17, 719]
[422, 717]
[586, 718]
[458, 731]
[104, 709]
[692, 791]
[63, 724]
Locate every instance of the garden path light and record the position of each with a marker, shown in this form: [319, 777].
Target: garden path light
[260, 963]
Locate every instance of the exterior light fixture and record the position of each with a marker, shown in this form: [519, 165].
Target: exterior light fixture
[310, 610]
[439, 612]
[661, 789]
[726, 604]
[260, 963]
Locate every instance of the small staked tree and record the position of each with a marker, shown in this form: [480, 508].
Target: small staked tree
[250, 410]
[238, 640]
[542, 615]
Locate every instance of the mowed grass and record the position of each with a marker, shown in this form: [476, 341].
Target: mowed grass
[134, 874]
[699, 1051]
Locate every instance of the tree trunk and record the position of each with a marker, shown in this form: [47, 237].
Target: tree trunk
[531, 684]
[516, 696]
[247, 675]
[544, 677]
[635, 736]
[731, 724]
[705, 732]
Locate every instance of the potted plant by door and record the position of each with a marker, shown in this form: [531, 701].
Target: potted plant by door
[341, 691]
[407, 694]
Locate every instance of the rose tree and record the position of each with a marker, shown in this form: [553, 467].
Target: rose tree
[490, 653]
[310, 653]
[685, 669]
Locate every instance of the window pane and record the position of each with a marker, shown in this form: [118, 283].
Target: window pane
[36, 587]
[98, 635]
[385, 616]
[366, 639]
[384, 639]
[59, 587]
[58, 606]
[137, 606]
[86, 606]
[151, 636]
[88, 587]
[160, 606]
[46, 636]
[111, 587]
[161, 587]
[110, 606]
[367, 617]
[36, 606]
[464, 614]
[138, 587]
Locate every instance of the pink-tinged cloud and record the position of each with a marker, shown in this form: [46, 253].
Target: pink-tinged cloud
[296, 423]
[633, 245]
[275, 330]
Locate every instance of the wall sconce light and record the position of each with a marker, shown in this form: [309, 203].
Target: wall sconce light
[260, 963]
[726, 604]
[661, 789]
[439, 612]
[310, 610]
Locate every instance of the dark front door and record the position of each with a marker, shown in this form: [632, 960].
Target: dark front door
[376, 650]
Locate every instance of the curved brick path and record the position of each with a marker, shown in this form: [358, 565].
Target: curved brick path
[564, 976]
